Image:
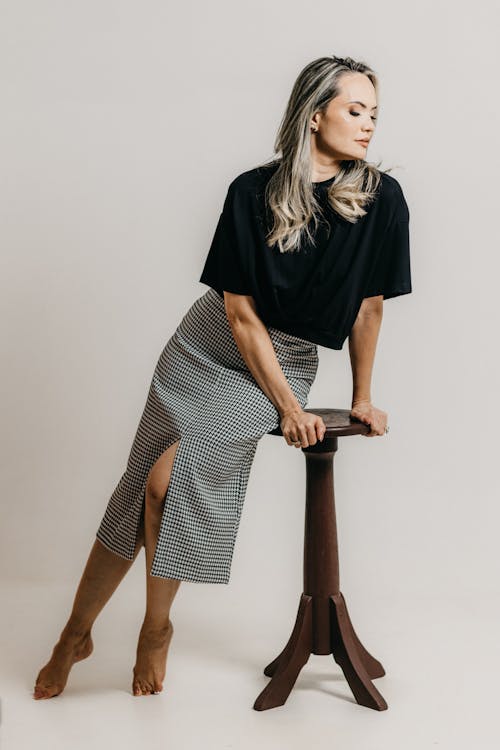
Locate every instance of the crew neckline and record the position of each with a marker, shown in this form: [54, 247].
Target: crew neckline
[325, 182]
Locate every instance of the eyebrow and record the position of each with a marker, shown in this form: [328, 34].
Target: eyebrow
[363, 105]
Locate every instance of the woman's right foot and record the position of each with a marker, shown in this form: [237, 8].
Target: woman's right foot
[150, 665]
[72, 647]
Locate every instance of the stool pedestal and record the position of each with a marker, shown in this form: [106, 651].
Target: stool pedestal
[323, 625]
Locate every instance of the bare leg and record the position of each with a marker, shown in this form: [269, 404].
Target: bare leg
[102, 574]
[157, 629]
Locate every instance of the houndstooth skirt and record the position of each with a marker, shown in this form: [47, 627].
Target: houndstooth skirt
[203, 394]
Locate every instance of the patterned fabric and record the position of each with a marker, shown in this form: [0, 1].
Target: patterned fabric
[202, 393]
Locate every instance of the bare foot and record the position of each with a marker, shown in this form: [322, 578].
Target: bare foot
[150, 665]
[71, 647]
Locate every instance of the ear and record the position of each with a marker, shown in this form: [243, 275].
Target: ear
[314, 125]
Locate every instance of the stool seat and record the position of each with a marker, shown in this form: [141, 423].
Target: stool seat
[338, 423]
[322, 624]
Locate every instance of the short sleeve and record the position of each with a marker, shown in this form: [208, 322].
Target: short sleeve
[226, 265]
[391, 275]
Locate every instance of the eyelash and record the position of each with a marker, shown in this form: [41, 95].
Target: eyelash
[357, 115]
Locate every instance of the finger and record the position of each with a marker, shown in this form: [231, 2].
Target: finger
[304, 436]
[320, 428]
[292, 440]
[312, 438]
[300, 436]
[370, 433]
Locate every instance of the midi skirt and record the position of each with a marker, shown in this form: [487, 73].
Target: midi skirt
[203, 394]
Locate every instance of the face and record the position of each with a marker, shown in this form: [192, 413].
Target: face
[346, 121]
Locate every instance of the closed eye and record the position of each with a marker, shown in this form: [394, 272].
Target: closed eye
[356, 114]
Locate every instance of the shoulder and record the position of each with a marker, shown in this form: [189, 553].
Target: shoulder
[391, 199]
[252, 180]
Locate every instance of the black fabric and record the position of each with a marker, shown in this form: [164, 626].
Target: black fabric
[315, 292]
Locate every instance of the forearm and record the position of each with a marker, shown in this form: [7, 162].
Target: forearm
[256, 347]
[362, 345]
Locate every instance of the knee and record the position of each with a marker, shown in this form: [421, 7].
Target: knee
[159, 477]
[155, 492]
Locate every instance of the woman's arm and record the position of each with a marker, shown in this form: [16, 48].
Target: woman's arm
[362, 346]
[256, 347]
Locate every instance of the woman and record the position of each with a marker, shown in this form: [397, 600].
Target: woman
[306, 248]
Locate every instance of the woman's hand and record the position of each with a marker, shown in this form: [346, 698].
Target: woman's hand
[370, 415]
[301, 428]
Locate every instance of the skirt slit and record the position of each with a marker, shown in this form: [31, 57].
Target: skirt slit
[202, 394]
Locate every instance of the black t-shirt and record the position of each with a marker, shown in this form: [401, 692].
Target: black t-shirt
[315, 292]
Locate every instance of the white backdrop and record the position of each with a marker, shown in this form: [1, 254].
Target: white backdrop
[122, 125]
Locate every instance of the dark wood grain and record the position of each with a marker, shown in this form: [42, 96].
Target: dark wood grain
[322, 625]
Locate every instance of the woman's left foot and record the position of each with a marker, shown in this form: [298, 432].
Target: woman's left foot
[72, 646]
[151, 660]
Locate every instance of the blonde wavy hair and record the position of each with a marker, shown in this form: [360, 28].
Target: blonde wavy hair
[289, 192]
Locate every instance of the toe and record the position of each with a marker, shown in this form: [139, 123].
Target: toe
[41, 691]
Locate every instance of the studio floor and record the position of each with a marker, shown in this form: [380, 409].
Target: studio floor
[439, 657]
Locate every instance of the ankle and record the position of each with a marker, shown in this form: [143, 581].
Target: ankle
[156, 625]
[76, 630]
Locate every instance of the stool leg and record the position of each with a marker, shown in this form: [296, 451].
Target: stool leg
[347, 654]
[321, 576]
[323, 625]
[286, 667]
[373, 667]
[305, 601]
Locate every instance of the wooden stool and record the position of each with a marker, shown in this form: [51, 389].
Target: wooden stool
[323, 625]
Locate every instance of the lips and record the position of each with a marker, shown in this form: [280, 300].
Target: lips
[365, 143]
